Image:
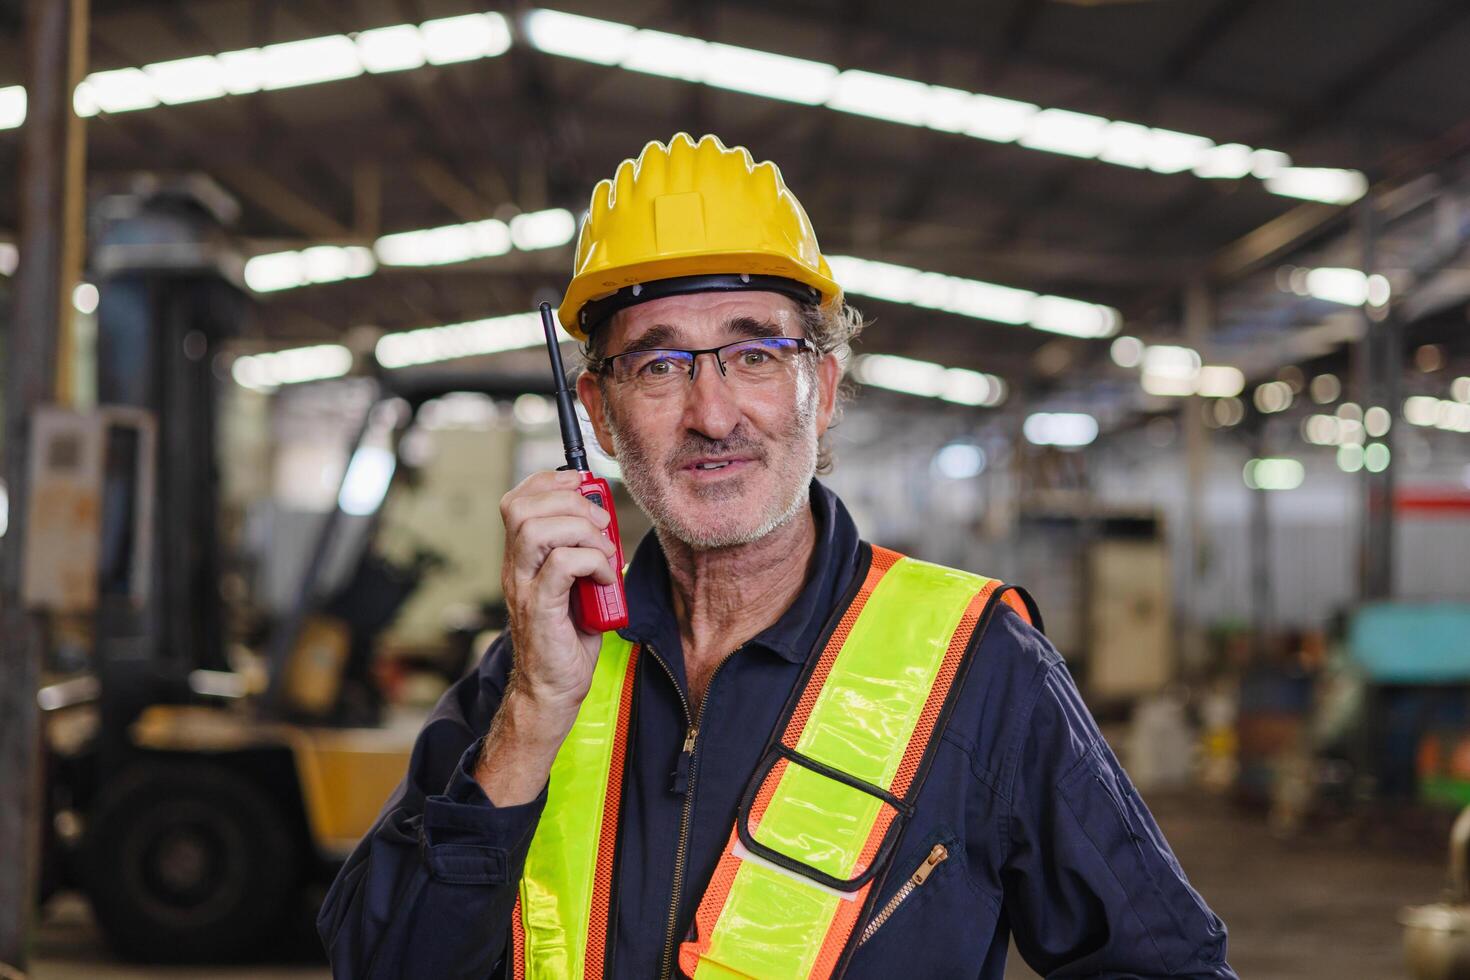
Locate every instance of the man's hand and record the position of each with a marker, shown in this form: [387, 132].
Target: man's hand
[553, 536]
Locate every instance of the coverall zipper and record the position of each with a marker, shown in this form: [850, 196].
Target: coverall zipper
[687, 763]
[937, 855]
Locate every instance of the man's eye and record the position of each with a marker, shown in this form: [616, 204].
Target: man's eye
[658, 367]
[753, 358]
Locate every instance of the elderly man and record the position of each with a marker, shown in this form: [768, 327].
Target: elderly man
[805, 755]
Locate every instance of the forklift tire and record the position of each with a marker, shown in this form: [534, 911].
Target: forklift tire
[188, 861]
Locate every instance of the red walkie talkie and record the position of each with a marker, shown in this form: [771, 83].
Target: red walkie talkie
[596, 608]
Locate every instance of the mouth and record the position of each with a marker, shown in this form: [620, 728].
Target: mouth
[709, 466]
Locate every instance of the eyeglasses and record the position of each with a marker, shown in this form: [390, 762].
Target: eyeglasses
[751, 363]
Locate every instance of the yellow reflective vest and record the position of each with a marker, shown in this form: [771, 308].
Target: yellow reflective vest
[821, 815]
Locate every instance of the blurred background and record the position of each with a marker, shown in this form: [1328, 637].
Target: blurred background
[1170, 308]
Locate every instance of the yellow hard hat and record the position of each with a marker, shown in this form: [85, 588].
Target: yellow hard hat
[691, 217]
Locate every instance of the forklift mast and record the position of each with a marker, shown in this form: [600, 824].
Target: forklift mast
[169, 284]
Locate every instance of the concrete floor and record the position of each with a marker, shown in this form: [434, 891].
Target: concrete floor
[1311, 908]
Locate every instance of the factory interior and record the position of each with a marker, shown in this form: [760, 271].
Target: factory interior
[1168, 321]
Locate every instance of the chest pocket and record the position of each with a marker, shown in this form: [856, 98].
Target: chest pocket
[941, 928]
[1109, 813]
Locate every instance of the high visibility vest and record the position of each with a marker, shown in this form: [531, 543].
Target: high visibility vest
[822, 814]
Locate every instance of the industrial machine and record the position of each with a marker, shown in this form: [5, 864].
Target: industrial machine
[1437, 937]
[202, 808]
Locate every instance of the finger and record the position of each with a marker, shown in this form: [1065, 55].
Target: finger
[563, 567]
[537, 539]
[517, 511]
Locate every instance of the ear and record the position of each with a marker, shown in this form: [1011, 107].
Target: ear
[589, 392]
[829, 375]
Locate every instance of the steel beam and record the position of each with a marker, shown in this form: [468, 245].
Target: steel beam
[51, 198]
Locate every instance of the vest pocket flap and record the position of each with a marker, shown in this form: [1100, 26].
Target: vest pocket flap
[832, 828]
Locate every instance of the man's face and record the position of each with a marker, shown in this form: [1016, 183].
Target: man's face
[713, 462]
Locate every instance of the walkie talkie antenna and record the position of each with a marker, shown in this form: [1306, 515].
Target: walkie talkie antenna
[566, 414]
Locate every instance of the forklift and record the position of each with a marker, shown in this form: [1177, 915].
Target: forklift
[203, 806]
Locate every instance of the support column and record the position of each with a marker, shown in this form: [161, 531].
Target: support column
[1198, 317]
[1262, 589]
[51, 202]
[1380, 383]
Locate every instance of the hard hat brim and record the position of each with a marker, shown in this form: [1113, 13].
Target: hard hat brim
[758, 266]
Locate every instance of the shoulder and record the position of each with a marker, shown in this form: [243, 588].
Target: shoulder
[1017, 683]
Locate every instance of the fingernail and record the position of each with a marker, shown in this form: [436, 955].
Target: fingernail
[603, 518]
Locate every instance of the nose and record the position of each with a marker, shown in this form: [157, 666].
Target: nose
[710, 407]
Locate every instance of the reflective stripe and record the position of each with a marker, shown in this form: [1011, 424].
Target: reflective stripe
[559, 929]
[869, 710]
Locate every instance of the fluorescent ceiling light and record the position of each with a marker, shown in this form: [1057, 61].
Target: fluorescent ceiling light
[475, 337]
[726, 66]
[1065, 429]
[122, 90]
[1169, 152]
[999, 120]
[1219, 381]
[762, 73]
[309, 61]
[1125, 144]
[318, 264]
[882, 97]
[397, 48]
[1274, 474]
[1440, 413]
[959, 461]
[542, 229]
[1075, 134]
[187, 80]
[1127, 352]
[1073, 317]
[12, 106]
[1231, 161]
[556, 226]
[1346, 286]
[1349, 287]
[265, 372]
[583, 38]
[469, 37]
[1268, 163]
[668, 55]
[973, 298]
[1170, 371]
[897, 100]
[774, 76]
[445, 245]
[929, 380]
[1325, 184]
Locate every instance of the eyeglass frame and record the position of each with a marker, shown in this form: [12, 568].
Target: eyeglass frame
[803, 346]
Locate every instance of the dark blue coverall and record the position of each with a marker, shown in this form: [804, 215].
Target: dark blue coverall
[1047, 839]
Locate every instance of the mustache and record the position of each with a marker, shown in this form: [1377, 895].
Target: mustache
[695, 446]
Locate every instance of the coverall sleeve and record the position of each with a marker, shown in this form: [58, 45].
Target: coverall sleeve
[429, 892]
[1091, 886]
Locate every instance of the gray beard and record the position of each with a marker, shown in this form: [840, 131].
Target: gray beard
[795, 471]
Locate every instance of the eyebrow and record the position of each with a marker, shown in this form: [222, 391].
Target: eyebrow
[749, 326]
[658, 336]
[663, 335]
